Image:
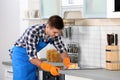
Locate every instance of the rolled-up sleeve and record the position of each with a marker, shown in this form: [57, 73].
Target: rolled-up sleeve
[59, 45]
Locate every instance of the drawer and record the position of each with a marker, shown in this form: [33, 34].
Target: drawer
[8, 72]
[8, 79]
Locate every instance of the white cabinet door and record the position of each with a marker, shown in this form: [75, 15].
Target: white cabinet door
[71, 6]
[8, 73]
[49, 8]
[69, 77]
[95, 8]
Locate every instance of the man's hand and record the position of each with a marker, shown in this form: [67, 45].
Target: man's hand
[66, 62]
[45, 66]
[69, 65]
[52, 69]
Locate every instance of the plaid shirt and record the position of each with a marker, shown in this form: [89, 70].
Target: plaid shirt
[31, 37]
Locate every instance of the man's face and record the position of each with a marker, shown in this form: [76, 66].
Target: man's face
[53, 32]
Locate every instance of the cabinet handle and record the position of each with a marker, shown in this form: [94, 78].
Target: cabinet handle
[9, 71]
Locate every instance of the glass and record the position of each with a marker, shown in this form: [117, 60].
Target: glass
[49, 8]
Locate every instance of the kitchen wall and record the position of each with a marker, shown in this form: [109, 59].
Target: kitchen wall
[9, 29]
[91, 36]
[92, 41]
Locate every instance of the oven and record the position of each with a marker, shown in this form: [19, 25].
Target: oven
[48, 76]
[43, 75]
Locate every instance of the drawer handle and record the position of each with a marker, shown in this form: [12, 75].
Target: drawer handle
[9, 71]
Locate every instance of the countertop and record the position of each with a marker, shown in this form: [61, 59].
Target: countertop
[9, 63]
[95, 74]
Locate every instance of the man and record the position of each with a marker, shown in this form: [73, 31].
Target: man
[24, 52]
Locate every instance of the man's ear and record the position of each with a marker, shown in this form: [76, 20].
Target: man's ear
[47, 25]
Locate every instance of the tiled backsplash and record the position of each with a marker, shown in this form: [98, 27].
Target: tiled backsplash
[92, 41]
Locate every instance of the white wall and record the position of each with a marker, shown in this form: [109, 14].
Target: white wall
[9, 29]
[92, 41]
[23, 6]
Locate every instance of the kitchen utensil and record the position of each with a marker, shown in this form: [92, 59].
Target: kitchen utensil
[31, 13]
[73, 58]
[37, 13]
[64, 33]
[112, 65]
[69, 32]
[112, 57]
[116, 39]
[73, 47]
[108, 39]
[112, 38]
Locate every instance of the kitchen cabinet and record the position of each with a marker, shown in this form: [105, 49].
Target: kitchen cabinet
[101, 9]
[56, 7]
[95, 8]
[8, 72]
[49, 8]
[71, 6]
[45, 9]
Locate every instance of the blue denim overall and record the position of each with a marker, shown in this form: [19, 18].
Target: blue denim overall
[23, 69]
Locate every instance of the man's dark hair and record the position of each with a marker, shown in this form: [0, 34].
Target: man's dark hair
[56, 21]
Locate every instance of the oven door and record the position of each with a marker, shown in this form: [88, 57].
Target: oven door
[48, 76]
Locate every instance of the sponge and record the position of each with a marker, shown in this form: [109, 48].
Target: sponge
[73, 66]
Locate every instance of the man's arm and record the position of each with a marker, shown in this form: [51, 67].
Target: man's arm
[64, 55]
[36, 62]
